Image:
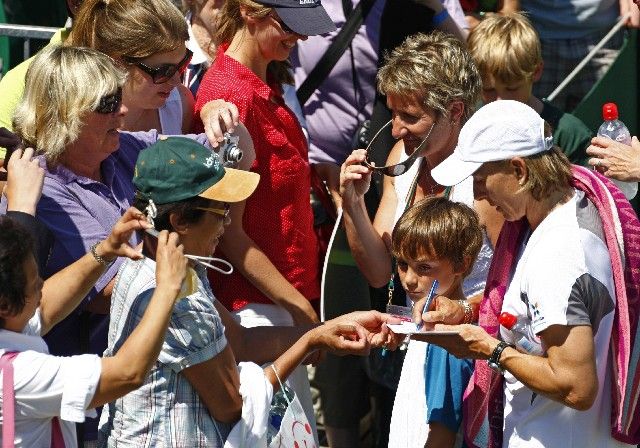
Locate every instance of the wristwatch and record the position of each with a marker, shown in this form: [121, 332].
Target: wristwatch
[494, 359]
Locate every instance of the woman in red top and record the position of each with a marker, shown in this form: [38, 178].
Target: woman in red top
[270, 241]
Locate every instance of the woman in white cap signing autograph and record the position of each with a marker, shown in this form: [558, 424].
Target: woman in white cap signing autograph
[270, 240]
[195, 394]
[558, 269]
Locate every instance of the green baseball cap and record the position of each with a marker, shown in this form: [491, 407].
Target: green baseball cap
[178, 168]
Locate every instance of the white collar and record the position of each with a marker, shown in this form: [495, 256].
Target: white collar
[29, 339]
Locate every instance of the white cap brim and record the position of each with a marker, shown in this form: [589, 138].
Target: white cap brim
[454, 170]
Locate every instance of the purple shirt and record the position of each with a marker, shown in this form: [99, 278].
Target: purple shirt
[80, 212]
[336, 109]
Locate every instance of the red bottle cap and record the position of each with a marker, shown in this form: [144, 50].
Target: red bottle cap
[507, 320]
[610, 111]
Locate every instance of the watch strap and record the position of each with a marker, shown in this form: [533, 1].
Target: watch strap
[494, 359]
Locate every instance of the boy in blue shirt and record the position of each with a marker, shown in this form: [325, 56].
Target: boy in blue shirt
[438, 239]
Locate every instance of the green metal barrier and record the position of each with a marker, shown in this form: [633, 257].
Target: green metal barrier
[4, 43]
[618, 85]
[621, 85]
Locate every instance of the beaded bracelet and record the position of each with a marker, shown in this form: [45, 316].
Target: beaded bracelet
[440, 17]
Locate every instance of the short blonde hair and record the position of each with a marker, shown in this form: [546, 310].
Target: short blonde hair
[506, 47]
[129, 28]
[440, 228]
[62, 85]
[548, 172]
[229, 22]
[435, 68]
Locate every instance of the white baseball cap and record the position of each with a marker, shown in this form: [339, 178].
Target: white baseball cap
[498, 131]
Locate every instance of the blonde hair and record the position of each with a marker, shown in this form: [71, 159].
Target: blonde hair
[506, 47]
[229, 22]
[129, 28]
[63, 84]
[548, 172]
[439, 228]
[435, 68]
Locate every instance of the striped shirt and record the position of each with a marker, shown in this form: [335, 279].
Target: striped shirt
[166, 411]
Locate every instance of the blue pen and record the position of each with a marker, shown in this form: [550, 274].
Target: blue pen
[427, 304]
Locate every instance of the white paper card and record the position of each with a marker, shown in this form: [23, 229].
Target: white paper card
[410, 328]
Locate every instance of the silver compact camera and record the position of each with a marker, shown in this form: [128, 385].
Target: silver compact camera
[229, 151]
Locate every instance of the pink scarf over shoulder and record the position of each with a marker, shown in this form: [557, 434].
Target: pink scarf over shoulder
[483, 406]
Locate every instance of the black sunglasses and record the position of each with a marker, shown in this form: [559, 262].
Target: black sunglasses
[165, 72]
[283, 25]
[110, 103]
[399, 168]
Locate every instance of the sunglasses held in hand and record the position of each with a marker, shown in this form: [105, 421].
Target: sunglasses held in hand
[399, 168]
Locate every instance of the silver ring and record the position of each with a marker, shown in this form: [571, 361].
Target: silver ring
[598, 162]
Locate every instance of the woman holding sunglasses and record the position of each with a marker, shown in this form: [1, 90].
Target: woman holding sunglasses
[147, 37]
[270, 241]
[432, 87]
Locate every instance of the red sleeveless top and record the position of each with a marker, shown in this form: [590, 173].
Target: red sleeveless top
[278, 215]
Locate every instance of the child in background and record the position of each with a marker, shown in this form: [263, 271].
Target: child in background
[506, 49]
[438, 239]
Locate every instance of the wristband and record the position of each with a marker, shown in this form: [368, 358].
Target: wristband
[440, 17]
[99, 258]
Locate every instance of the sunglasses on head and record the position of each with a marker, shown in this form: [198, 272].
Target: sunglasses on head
[283, 25]
[110, 103]
[399, 168]
[164, 72]
[224, 212]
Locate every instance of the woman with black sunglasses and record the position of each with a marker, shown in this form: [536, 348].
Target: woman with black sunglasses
[147, 37]
[73, 113]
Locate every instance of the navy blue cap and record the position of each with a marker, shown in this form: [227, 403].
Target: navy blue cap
[305, 17]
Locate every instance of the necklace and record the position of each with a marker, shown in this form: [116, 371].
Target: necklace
[432, 188]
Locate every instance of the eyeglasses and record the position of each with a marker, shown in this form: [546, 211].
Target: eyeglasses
[283, 25]
[400, 168]
[224, 212]
[110, 103]
[164, 72]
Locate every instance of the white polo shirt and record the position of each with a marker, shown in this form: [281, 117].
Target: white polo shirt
[47, 386]
[563, 277]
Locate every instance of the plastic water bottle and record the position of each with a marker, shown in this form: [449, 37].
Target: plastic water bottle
[519, 331]
[279, 405]
[616, 130]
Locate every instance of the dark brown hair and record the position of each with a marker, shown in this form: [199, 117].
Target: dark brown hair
[16, 246]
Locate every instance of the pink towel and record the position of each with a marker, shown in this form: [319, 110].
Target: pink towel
[483, 407]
